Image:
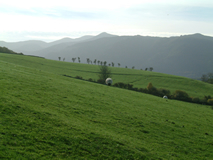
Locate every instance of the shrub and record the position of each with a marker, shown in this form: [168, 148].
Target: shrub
[210, 101]
[195, 100]
[78, 77]
[129, 86]
[207, 97]
[143, 90]
[203, 101]
[120, 85]
[135, 89]
[150, 86]
[90, 79]
[102, 81]
[162, 92]
[151, 89]
[181, 95]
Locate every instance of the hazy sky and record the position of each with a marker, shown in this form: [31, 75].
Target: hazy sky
[50, 20]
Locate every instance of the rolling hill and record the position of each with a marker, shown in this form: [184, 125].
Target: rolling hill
[45, 115]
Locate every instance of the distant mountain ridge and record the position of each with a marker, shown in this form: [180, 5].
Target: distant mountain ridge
[188, 55]
[30, 46]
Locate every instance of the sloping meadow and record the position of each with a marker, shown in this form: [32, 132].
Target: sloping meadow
[44, 115]
[138, 78]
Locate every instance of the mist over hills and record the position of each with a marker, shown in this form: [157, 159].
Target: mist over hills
[188, 56]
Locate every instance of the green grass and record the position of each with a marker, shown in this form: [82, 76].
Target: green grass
[44, 115]
[138, 78]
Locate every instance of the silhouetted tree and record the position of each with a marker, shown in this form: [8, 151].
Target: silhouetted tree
[98, 62]
[113, 64]
[79, 61]
[73, 59]
[133, 67]
[109, 64]
[59, 58]
[119, 64]
[105, 63]
[146, 69]
[88, 60]
[150, 68]
[101, 63]
[95, 61]
[126, 67]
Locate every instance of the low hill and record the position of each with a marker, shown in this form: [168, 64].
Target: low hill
[138, 78]
[44, 115]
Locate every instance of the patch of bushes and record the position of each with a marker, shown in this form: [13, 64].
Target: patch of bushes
[102, 81]
[181, 95]
[78, 77]
[150, 89]
[195, 100]
[162, 92]
[210, 101]
[90, 79]
[178, 94]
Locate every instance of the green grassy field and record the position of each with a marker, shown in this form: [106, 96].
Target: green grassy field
[44, 115]
[138, 78]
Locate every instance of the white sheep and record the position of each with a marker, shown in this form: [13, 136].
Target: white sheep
[109, 81]
[165, 97]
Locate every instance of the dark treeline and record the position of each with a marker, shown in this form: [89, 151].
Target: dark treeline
[6, 50]
[160, 92]
[105, 63]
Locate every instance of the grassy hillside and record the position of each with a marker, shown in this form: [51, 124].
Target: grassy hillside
[44, 115]
[138, 78]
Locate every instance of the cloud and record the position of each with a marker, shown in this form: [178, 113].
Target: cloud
[56, 12]
[154, 17]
